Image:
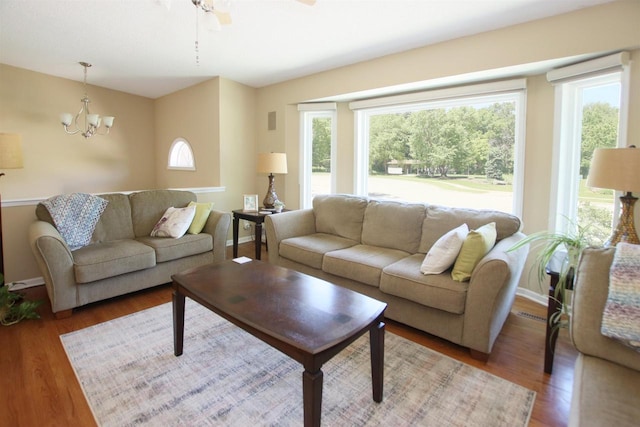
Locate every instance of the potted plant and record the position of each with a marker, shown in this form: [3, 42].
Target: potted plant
[549, 244]
[13, 307]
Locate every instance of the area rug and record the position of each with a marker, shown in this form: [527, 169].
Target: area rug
[226, 377]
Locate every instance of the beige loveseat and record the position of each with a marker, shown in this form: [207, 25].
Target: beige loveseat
[606, 379]
[122, 257]
[377, 248]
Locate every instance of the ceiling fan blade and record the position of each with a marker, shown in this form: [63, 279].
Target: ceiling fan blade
[308, 2]
[223, 17]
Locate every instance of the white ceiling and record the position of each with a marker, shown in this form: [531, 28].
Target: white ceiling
[147, 47]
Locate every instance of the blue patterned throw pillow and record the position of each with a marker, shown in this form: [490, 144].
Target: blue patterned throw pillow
[75, 216]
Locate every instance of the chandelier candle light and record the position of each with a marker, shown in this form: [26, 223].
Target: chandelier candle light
[617, 169]
[272, 163]
[92, 122]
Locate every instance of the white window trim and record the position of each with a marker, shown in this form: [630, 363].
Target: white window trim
[173, 146]
[442, 98]
[568, 82]
[307, 113]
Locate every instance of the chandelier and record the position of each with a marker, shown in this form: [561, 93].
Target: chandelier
[92, 122]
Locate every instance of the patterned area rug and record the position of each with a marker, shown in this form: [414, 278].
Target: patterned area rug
[226, 377]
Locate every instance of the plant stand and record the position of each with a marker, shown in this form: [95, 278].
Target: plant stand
[555, 304]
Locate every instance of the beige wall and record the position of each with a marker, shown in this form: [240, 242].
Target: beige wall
[192, 114]
[598, 30]
[226, 122]
[54, 162]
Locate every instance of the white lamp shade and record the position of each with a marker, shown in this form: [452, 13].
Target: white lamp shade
[10, 151]
[272, 163]
[93, 119]
[108, 121]
[66, 118]
[615, 168]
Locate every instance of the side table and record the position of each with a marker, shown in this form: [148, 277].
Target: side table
[555, 303]
[255, 217]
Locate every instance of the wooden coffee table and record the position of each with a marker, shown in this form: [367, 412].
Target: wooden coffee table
[306, 318]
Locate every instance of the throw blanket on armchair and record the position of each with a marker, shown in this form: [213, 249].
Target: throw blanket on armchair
[75, 216]
[621, 316]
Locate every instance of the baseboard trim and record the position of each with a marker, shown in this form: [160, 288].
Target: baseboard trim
[24, 284]
[533, 296]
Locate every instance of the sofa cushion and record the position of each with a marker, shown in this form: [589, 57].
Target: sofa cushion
[394, 225]
[362, 263]
[187, 245]
[309, 250]
[115, 222]
[403, 279]
[147, 207]
[174, 222]
[201, 216]
[441, 218]
[108, 259]
[340, 215]
[604, 394]
[444, 252]
[477, 244]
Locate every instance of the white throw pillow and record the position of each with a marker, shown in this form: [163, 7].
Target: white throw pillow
[174, 223]
[444, 251]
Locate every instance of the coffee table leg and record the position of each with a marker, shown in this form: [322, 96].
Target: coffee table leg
[376, 340]
[178, 322]
[312, 397]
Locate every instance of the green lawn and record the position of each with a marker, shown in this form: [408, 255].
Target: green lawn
[478, 183]
[473, 184]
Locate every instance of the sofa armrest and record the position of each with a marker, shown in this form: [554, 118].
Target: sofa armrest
[218, 226]
[55, 261]
[492, 290]
[589, 298]
[285, 225]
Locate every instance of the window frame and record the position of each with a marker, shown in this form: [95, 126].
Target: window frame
[507, 90]
[570, 82]
[309, 112]
[177, 146]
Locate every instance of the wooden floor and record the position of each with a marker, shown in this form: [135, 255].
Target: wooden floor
[38, 386]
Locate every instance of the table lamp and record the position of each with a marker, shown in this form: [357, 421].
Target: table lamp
[618, 169]
[271, 163]
[10, 158]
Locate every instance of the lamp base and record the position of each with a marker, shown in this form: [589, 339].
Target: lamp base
[271, 198]
[626, 229]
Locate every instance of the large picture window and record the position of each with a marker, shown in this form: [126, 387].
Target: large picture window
[456, 148]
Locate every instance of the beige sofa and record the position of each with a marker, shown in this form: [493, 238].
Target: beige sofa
[377, 247]
[122, 257]
[606, 380]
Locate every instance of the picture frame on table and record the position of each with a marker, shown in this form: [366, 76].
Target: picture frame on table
[250, 202]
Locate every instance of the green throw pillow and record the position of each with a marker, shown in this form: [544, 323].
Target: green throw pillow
[477, 244]
[200, 218]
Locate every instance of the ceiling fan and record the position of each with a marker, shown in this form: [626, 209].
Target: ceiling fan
[220, 8]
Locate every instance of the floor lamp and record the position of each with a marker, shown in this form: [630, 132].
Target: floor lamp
[618, 169]
[10, 158]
